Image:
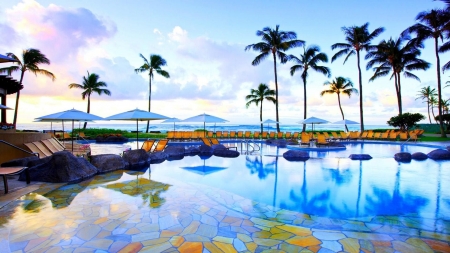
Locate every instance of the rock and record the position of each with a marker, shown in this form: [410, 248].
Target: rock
[33, 163]
[157, 157]
[277, 142]
[218, 146]
[360, 157]
[335, 144]
[20, 162]
[136, 157]
[225, 152]
[61, 167]
[205, 150]
[174, 152]
[403, 157]
[296, 155]
[448, 148]
[439, 154]
[109, 162]
[191, 151]
[205, 156]
[419, 156]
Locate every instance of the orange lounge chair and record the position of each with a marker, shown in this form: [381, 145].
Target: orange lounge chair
[148, 145]
[214, 141]
[161, 145]
[233, 134]
[219, 134]
[225, 134]
[305, 140]
[288, 135]
[247, 134]
[280, 135]
[272, 135]
[240, 134]
[264, 135]
[206, 142]
[321, 141]
[256, 135]
[295, 136]
[170, 135]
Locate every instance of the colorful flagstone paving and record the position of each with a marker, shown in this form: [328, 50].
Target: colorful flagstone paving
[118, 212]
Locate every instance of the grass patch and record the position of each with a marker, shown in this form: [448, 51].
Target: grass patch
[433, 138]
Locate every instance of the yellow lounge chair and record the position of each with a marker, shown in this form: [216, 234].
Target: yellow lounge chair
[364, 135]
[148, 145]
[336, 136]
[161, 145]
[295, 136]
[240, 134]
[305, 140]
[178, 135]
[264, 135]
[321, 141]
[170, 135]
[393, 136]
[206, 142]
[384, 136]
[280, 135]
[256, 135]
[58, 145]
[210, 134]
[370, 135]
[288, 135]
[233, 134]
[377, 135]
[247, 134]
[413, 137]
[272, 135]
[403, 136]
[219, 134]
[225, 134]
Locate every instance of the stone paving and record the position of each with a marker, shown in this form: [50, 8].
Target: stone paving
[128, 212]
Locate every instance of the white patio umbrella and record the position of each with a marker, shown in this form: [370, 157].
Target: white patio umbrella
[138, 115]
[4, 58]
[69, 115]
[312, 121]
[346, 122]
[172, 120]
[269, 121]
[205, 118]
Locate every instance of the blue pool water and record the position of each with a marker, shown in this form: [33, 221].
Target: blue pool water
[327, 185]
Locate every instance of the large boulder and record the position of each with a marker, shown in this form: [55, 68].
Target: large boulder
[136, 157]
[218, 146]
[61, 167]
[439, 154]
[157, 157]
[296, 155]
[403, 157]
[174, 152]
[21, 162]
[225, 152]
[191, 151]
[108, 162]
[205, 150]
[360, 157]
[419, 156]
[111, 138]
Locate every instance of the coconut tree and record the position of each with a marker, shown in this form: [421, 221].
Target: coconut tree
[310, 59]
[432, 25]
[31, 59]
[426, 93]
[274, 42]
[152, 66]
[358, 39]
[91, 84]
[257, 97]
[433, 103]
[393, 56]
[340, 85]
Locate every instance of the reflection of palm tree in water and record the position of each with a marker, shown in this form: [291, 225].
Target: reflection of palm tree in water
[256, 166]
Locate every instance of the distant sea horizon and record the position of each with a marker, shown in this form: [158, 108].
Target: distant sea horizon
[191, 127]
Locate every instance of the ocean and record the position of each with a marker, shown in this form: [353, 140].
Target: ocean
[190, 127]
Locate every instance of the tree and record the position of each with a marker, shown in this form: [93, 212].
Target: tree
[405, 121]
[309, 60]
[426, 93]
[274, 42]
[432, 25]
[392, 55]
[31, 59]
[433, 102]
[152, 66]
[340, 85]
[358, 38]
[90, 85]
[257, 97]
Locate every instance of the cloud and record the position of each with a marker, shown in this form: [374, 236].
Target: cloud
[9, 36]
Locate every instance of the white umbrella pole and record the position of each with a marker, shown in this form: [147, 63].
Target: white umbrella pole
[63, 131]
[174, 126]
[72, 136]
[137, 135]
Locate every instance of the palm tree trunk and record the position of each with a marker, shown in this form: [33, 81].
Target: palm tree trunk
[17, 100]
[428, 104]
[260, 116]
[438, 70]
[276, 91]
[88, 110]
[434, 116]
[149, 98]
[340, 108]
[304, 102]
[397, 89]
[361, 114]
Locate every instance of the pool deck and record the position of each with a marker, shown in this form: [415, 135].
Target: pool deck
[193, 218]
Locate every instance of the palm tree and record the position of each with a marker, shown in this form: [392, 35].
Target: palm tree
[445, 106]
[340, 85]
[392, 55]
[154, 65]
[276, 42]
[433, 25]
[90, 85]
[31, 59]
[358, 38]
[309, 60]
[257, 97]
[433, 103]
[426, 93]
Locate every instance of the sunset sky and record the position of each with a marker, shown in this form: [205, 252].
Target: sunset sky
[203, 43]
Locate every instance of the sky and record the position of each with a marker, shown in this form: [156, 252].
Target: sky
[203, 43]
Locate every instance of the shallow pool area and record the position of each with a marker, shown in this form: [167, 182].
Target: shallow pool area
[253, 203]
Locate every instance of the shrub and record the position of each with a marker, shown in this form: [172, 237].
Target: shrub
[445, 120]
[405, 121]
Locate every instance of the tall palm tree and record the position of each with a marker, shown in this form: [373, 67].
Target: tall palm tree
[433, 103]
[152, 66]
[257, 97]
[358, 38]
[310, 59]
[31, 59]
[433, 25]
[276, 42]
[392, 55]
[340, 85]
[445, 105]
[90, 85]
[426, 93]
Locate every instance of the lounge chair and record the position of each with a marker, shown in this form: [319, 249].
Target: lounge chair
[10, 171]
[43, 148]
[50, 146]
[82, 135]
[264, 135]
[187, 135]
[336, 136]
[280, 135]
[370, 134]
[225, 134]
[219, 134]
[35, 150]
[384, 136]
[178, 135]
[210, 134]
[214, 141]
[240, 135]
[295, 136]
[393, 136]
[363, 135]
[305, 140]
[272, 135]
[58, 145]
[161, 145]
[206, 142]
[345, 136]
[148, 145]
[247, 135]
[288, 135]
[66, 136]
[403, 136]
[413, 137]
[200, 134]
[170, 135]
[256, 135]
[321, 141]
[233, 134]
[377, 135]
[327, 137]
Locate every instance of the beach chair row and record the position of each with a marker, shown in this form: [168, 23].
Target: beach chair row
[151, 146]
[45, 147]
